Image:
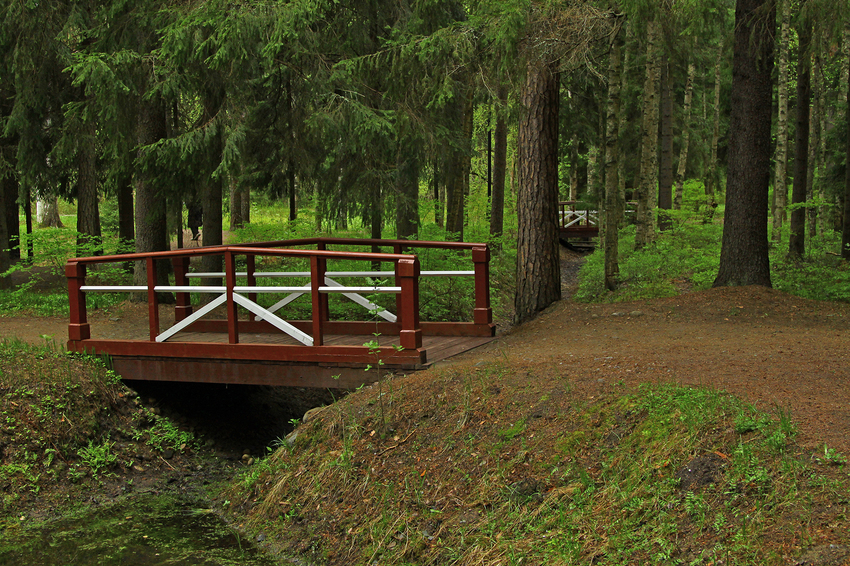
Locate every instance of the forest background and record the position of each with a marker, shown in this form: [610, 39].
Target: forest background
[431, 120]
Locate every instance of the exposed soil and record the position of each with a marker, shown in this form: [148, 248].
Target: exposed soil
[772, 349]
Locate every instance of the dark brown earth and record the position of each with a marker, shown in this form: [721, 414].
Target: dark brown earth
[775, 350]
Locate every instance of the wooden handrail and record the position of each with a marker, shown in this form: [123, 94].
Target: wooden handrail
[406, 270]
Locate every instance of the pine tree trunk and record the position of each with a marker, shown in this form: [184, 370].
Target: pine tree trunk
[47, 213]
[665, 169]
[438, 201]
[648, 188]
[681, 170]
[13, 229]
[712, 180]
[126, 225]
[814, 147]
[28, 222]
[407, 189]
[500, 168]
[88, 213]
[453, 176]
[614, 205]
[151, 226]
[845, 232]
[236, 221]
[6, 183]
[290, 177]
[780, 183]
[538, 262]
[797, 238]
[744, 251]
[211, 192]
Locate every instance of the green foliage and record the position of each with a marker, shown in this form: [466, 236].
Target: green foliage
[163, 434]
[98, 457]
[821, 276]
[685, 259]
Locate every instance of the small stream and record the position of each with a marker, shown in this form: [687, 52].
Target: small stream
[147, 530]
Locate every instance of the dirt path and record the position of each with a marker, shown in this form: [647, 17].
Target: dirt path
[772, 349]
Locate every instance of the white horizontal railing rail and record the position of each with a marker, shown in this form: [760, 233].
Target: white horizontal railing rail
[373, 274]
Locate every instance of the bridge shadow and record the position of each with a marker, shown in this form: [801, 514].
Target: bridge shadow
[233, 419]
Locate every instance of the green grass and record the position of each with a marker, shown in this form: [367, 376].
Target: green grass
[608, 483]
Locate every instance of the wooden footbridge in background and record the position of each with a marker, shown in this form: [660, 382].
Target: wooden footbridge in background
[224, 335]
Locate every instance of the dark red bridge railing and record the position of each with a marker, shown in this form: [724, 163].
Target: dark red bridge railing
[406, 324]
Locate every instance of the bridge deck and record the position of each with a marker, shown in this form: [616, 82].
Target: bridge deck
[249, 343]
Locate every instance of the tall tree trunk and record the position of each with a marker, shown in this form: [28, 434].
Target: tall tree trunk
[648, 188]
[126, 226]
[211, 192]
[407, 188]
[665, 166]
[246, 204]
[682, 168]
[28, 222]
[150, 211]
[88, 213]
[7, 183]
[712, 180]
[47, 212]
[438, 201]
[290, 176]
[454, 173]
[845, 232]
[500, 168]
[13, 225]
[614, 205]
[744, 258]
[538, 263]
[780, 183]
[236, 221]
[797, 239]
[814, 147]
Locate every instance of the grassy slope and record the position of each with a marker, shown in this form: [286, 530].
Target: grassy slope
[487, 465]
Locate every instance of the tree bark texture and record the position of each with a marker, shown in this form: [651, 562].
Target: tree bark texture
[780, 183]
[211, 192]
[712, 180]
[6, 184]
[614, 205]
[648, 187]
[682, 168]
[744, 251]
[814, 147]
[150, 212]
[126, 225]
[88, 212]
[797, 238]
[13, 229]
[845, 232]
[500, 169]
[407, 188]
[665, 166]
[538, 262]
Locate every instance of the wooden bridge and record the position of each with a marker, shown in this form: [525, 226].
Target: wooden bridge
[236, 338]
[576, 223]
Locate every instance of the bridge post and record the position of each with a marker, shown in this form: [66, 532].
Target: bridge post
[410, 335]
[78, 327]
[153, 300]
[232, 312]
[318, 266]
[483, 314]
[183, 304]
